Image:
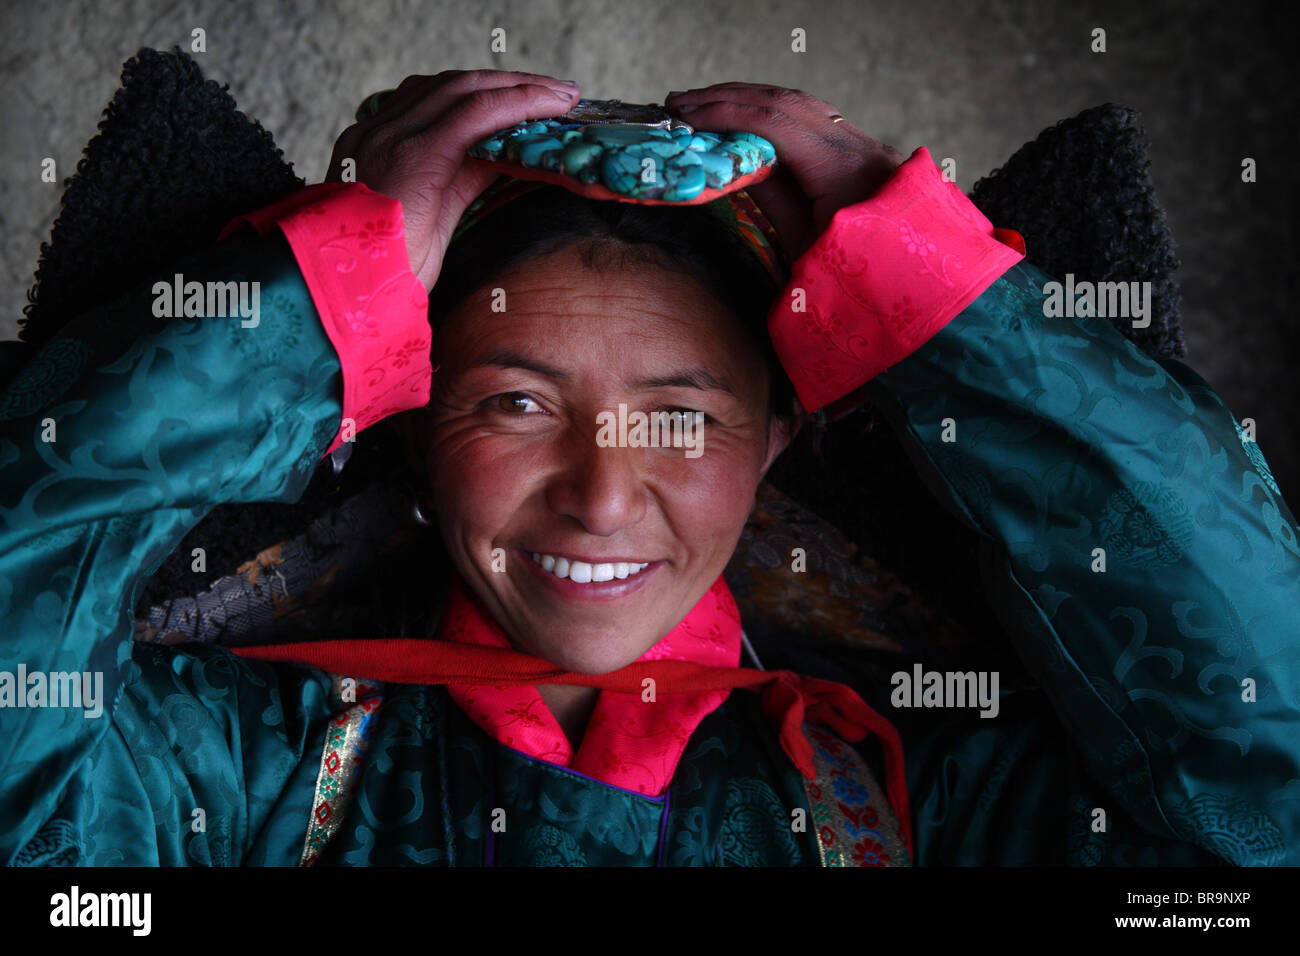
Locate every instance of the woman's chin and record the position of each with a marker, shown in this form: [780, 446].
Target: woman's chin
[595, 651]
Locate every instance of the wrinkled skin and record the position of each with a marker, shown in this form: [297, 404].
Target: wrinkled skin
[511, 460]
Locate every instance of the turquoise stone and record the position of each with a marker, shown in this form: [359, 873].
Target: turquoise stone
[532, 150]
[620, 173]
[719, 168]
[766, 152]
[657, 166]
[623, 135]
[685, 161]
[746, 156]
[687, 157]
[665, 150]
[690, 183]
[579, 154]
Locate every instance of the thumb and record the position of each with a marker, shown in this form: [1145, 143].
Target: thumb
[782, 201]
[466, 186]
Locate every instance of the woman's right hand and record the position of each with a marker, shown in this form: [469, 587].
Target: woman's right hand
[414, 149]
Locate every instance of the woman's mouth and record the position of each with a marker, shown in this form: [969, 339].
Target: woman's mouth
[578, 579]
[583, 572]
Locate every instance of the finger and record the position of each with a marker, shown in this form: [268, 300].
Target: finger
[345, 146]
[434, 155]
[815, 114]
[419, 100]
[411, 89]
[782, 201]
[447, 123]
[807, 153]
[794, 103]
[477, 115]
[470, 180]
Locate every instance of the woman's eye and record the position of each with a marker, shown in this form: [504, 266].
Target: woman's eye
[685, 416]
[516, 403]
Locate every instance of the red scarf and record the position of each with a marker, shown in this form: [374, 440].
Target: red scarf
[628, 741]
[468, 656]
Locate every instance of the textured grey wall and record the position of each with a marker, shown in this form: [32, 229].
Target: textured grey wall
[970, 81]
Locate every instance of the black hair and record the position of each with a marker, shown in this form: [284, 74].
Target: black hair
[690, 240]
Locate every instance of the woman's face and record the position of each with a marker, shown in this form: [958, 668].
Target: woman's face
[513, 461]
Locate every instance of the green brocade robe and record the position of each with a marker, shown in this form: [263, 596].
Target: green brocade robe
[1071, 439]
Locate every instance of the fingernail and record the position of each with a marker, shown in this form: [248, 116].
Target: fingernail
[676, 92]
[686, 109]
[569, 82]
[563, 96]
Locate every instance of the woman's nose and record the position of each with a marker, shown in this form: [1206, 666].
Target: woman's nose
[601, 487]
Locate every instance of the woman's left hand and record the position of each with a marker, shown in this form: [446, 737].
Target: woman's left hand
[822, 166]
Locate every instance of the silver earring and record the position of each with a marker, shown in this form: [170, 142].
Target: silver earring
[339, 456]
[418, 514]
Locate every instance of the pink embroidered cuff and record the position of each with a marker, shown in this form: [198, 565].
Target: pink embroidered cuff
[351, 248]
[883, 279]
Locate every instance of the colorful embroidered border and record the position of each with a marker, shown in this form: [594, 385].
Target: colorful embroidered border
[855, 826]
[346, 742]
[757, 230]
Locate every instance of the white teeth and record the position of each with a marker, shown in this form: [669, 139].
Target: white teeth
[580, 572]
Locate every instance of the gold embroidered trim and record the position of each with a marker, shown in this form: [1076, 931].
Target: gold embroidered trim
[855, 825]
[355, 705]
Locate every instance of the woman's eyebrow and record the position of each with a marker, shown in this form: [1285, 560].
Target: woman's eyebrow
[697, 377]
[508, 358]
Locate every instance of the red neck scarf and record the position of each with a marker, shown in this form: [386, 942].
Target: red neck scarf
[633, 741]
[693, 669]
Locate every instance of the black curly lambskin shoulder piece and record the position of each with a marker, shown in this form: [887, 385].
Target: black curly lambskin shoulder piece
[1081, 195]
[173, 162]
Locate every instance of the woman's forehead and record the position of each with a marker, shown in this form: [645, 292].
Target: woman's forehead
[627, 312]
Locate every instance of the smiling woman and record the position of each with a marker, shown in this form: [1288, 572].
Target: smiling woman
[573, 692]
[612, 306]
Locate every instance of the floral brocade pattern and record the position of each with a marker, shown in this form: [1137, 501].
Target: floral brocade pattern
[351, 247]
[1171, 665]
[755, 830]
[851, 814]
[49, 373]
[1147, 526]
[887, 275]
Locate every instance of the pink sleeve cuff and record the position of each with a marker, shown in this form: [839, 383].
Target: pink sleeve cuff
[350, 245]
[883, 279]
